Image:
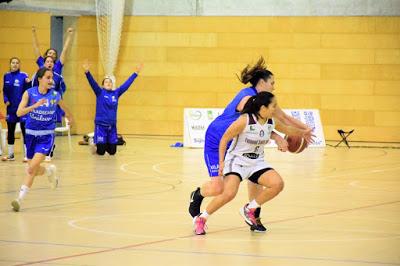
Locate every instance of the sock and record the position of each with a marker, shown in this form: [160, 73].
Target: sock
[47, 170]
[257, 212]
[253, 204]
[22, 192]
[204, 215]
[10, 149]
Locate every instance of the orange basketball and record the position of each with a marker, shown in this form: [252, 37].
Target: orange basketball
[296, 144]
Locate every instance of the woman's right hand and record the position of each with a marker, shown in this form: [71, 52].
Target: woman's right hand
[8, 103]
[86, 65]
[39, 103]
[282, 144]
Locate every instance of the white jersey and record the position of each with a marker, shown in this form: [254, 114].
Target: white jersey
[248, 146]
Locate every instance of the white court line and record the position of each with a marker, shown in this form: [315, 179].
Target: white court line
[74, 224]
[155, 168]
[359, 173]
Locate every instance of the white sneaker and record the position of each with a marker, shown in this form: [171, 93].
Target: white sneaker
[47, 159]
[8, 158]
[16, 205]
[52, 175]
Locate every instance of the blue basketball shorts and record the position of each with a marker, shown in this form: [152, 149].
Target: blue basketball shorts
[105, 134]
[38, 144]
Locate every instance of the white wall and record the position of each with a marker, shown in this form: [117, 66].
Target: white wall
[220, 7]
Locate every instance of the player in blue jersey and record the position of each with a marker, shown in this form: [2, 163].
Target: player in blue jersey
[58, 83]
[60, 87]
[261, 79]
[105, 132]
[39, 104]
[58, 63]
[15, 82]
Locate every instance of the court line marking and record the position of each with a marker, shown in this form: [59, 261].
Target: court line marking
[75, 224]
[265, 256]
[148, 243]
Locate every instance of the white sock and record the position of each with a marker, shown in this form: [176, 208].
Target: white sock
[47, 171]
[10, 149]
[204, 215]
[253, 204]
[22, 192]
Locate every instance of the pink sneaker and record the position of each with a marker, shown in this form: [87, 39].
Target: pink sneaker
[248, 215]
[199, 225]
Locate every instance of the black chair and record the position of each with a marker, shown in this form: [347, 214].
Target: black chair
[344, 135]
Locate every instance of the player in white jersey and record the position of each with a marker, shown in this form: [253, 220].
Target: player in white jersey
[245, 158]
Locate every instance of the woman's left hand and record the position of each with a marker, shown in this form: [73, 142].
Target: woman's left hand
[308, 135]
[139, 68]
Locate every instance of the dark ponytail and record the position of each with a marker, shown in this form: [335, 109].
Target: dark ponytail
[255, 73]
[253, 105]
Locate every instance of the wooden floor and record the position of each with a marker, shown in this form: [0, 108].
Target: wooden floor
[339, 207]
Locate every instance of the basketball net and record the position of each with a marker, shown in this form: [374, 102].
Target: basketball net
[109, 17]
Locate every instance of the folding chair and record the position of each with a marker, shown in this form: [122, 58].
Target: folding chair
[344, 135]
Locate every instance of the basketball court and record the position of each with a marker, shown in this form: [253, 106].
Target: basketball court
[340, 206]
[337, 71]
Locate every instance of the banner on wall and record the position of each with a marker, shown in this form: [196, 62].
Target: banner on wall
[196, 121]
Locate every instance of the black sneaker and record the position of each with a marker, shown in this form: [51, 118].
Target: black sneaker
[195, 202]
[259, 227]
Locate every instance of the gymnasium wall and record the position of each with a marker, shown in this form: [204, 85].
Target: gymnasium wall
[16, 40]
[347, 67]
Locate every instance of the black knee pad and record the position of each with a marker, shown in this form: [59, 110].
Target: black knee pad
[112, 149]
[101, 149]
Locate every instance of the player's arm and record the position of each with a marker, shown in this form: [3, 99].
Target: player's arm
[68, 113]
[23, 109]
[93, 84]
[290, 130]
[5, 92]
[67, 45]
[281, 142]
[284, 118]
[35, 43]
[125, 86]
[242, 103]
[233, 130]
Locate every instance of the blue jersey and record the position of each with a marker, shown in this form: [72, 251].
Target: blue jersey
[42, 118]
[58, 66]
[217, 128]
[107, 100]
[58, 85]
[13, 88]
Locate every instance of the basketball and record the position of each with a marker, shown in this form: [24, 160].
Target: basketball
[296, 144]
